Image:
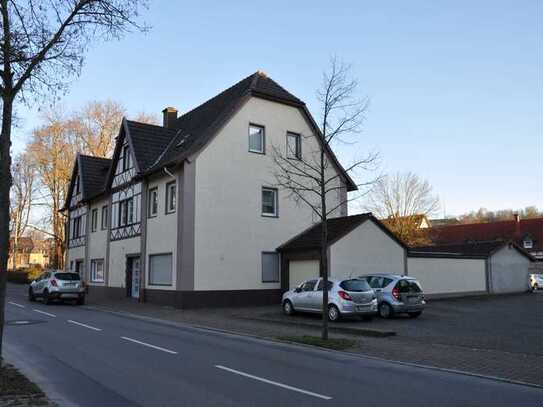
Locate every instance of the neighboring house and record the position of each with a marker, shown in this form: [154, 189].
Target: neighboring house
[418, 221]
[527, 233]
[188, 214]
[437, 223]
[29, 252]
[361, 244]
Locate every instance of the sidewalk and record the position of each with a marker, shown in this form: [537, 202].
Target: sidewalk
[416, 341]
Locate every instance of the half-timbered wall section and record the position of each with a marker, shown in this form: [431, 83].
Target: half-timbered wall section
[77, 194]
[126, 198]
[126, 212]
[78, 227]
[124, 170]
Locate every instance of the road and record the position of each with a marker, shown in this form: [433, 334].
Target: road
[84, 357]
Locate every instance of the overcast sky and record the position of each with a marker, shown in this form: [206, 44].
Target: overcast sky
[456, 87]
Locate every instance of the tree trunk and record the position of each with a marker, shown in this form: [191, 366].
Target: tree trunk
[324, 250]
[5, 185]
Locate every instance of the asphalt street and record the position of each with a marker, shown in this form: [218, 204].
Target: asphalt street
[84, 357]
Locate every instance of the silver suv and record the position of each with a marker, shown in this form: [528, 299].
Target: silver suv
[397, 294]
[57, 285]
[352, 297]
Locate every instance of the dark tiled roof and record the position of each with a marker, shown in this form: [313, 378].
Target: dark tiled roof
[199, 125]
[467, 250]
[149, 141]
[24, 244]
[480, 249]
[310, 238]
[503, 230]
[93, 173]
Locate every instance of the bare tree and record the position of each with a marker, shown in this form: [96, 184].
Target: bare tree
[96, 126]
[43, 44]
[52, 149]
[312, 178]
[22, 193]
[401, 200]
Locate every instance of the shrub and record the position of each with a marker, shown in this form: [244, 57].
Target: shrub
[34, 271]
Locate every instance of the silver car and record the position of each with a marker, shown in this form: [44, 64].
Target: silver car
[352, 297]
[536, 282]
[397, 294]
[57, 285]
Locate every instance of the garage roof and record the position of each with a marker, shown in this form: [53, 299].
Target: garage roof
[477, 250]
[310, 239]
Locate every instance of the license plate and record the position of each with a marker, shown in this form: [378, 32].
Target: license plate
[413, 300]
[361, 308]
[69, 295]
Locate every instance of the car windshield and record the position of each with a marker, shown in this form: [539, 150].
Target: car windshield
[67, 276]
[355, 285]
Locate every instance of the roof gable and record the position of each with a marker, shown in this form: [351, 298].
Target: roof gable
[310, 238]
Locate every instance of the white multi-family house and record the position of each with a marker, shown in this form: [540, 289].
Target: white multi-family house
[188, 213]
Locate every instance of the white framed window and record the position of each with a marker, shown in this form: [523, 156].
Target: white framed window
[94, 220]
[97, 270]
[294, 146]
[171, 197]
[126, 212]
[270, 267]
[153, 202]
[528, 243]
[104, 217]
[269, 202]
[257, 139]
[76, 185]
[160, 269]
[126, 158]
[76, 228]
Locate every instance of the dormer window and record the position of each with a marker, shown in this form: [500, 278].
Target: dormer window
[528, 243]
[126, 158]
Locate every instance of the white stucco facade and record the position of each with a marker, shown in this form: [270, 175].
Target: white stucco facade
[448, 275]
[230, 231]
[161, 232]
[366, 249]
[97, 238]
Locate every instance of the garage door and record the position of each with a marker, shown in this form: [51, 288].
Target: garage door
[301, 270]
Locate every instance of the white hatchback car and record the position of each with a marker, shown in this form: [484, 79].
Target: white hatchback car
[536, 282]
[57, 285]
[351, 297]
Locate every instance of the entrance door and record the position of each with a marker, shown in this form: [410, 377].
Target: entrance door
[133, 277]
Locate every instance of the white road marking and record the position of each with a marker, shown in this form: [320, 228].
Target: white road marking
[17, 305]
[284, 386]
[44, 313]
[149, 345]
[84, 325]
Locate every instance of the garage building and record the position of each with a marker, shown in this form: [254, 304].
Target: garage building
[361, 244]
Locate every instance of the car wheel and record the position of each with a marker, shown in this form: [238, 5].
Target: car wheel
[385, 310]
[288, 309]
[414, 314]
[333, 313]
[31, 296]
[46, 298]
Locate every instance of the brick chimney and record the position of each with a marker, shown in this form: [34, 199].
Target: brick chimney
[169, 116]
